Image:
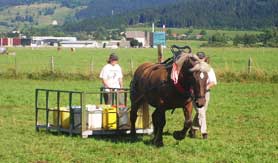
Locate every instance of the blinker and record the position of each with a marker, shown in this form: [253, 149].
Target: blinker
[202, 75]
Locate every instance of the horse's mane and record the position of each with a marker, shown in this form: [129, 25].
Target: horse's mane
[200, 65]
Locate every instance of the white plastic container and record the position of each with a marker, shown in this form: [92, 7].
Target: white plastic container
[94, 117]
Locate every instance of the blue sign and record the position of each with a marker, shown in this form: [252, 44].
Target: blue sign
[159, 38]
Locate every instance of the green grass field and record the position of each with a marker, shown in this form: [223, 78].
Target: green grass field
[242, 121]
[242, 116]
[82, 60]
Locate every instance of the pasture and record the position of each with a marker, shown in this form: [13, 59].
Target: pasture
[242, 116]
[90, 61]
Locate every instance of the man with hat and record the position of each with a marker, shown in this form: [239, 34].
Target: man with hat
[112, 77]
[199, 121]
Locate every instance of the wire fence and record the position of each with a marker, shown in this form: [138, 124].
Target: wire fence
[50, 65]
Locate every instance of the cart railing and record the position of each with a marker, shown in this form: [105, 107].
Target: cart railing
[48, 109]
[43, 105]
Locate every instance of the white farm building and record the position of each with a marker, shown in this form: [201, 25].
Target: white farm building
[80, 44]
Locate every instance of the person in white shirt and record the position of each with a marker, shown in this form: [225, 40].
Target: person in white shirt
[199, 121]
[112, 77]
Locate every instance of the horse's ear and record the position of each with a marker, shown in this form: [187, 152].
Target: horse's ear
[195, 68]
[196, 58]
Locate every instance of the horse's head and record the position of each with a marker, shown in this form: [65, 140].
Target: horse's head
[199, 81]
[195, 75]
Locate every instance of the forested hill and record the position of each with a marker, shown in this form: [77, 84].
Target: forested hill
[114, 7]
[88, 15]
[250, 14]
[68, 3]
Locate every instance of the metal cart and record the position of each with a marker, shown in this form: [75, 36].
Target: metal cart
[52, 117]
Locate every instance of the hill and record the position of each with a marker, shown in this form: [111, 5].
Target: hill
[40, 15]
[99, 8]
[19, 14]
[89, 15]
[237, 14]
[68, 3]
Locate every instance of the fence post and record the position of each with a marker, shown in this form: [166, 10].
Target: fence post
[91, 67]
[52, 64]
[159, 53]
[249, 65]
[15, 65]
[131, 66]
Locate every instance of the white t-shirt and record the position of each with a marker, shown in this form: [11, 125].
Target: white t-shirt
[112, 74]
[211, 77]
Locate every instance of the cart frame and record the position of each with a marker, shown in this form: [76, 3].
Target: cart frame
[83, 130]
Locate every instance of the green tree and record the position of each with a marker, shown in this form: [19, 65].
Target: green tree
[237, 40]
[249, 39]
[218, 39]
[134, 43]
[203, 32]
[101, 34]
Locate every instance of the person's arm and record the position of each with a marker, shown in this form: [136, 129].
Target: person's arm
[212, 79]
[120, 77]
[210, 85]
[121, 82]
[103, 75]
[105, 83]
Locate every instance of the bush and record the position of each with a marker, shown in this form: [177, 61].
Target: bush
[217, 39]
[135, 43]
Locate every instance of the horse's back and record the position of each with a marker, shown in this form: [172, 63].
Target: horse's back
[143, 69]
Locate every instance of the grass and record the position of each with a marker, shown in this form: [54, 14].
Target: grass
[242, 127]
[242, 116]
[85, 61]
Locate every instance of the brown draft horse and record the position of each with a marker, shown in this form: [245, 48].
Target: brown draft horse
[152, 84]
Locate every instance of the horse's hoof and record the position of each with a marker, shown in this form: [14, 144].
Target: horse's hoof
[179, 135]
[133, 136]
[192, 133]
[158, 144]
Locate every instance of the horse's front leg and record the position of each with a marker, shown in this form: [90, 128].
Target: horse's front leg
[159, 122]
[192, 131]
[179, 135]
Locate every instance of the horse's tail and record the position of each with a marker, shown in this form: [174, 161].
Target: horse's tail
[134, 94]
[132, 89]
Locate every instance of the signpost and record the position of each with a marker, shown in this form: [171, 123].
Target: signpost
[159, 38]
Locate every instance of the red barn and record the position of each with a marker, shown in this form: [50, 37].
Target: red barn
[16, 42]
[4, 41]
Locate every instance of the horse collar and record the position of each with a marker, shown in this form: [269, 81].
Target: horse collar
[179, 87]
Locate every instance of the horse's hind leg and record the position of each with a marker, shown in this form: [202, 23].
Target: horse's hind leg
[133, 117]
[154, 125]
[179, 135]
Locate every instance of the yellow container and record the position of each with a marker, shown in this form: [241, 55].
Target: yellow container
[109, 118]
[64, 117]
[143, 117]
